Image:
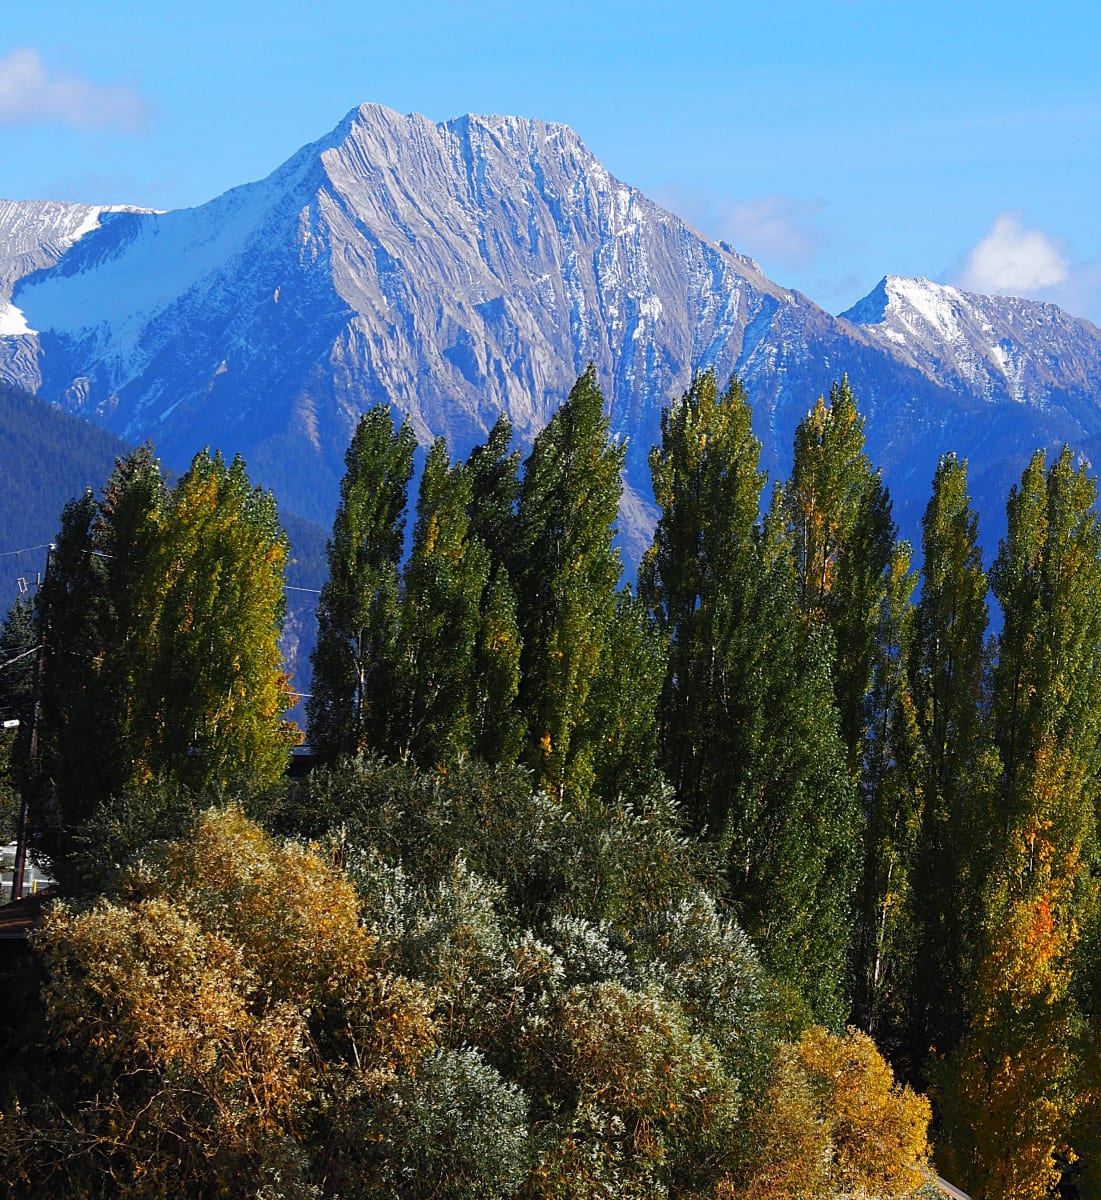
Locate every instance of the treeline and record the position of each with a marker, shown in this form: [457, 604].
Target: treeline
[42, 452]
[775, 788]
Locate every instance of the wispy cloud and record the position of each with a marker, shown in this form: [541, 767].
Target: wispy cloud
[779, 227]
[784, 230]
[32, 95]
[1014, 259]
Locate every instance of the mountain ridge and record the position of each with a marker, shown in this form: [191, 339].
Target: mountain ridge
[459, 269]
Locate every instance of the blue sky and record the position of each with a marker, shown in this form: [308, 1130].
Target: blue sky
[836, 141]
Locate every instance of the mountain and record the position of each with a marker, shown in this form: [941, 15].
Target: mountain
[477, 265]
[47, 457]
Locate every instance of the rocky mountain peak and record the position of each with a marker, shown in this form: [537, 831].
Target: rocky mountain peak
[463, 268]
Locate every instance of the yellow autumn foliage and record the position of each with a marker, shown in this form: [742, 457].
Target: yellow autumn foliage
[835, 1123]
[208, 1015]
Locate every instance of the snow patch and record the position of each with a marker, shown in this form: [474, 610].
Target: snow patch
[937, 304]
[651, 308]
[12, 321]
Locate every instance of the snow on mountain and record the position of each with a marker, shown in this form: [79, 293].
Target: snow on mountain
[999, 347]
[455, 269]
[34, 235]
[464, 268]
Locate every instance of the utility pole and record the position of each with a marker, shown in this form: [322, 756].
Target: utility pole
[36, 713]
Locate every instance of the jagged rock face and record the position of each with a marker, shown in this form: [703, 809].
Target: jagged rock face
[455, 270]
[998, 347]
[460, 269]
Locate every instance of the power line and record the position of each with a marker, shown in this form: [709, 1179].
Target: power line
[26, 550]
[25, 654]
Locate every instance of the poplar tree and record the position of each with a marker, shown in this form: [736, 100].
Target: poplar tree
[704, 560]
[955, 766]
[429, 707]
[96, 610]
[213, 691]
[1008, 1093]
[357, 610]
[160, 616]
[128, 528]
[493, 470]
[839, 514]
[885, 939]
[853, 586]
[749, 726]
[624, 707]
[566, 575]
[497, 729]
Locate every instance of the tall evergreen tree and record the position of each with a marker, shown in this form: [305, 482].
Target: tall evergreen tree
[357, 612]
[566, 575]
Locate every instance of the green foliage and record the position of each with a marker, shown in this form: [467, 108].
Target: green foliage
[842, 533]
[82, 751]
[749, 727]
[160, 615]
[497, 726]
[885, 940]
[955, 769]
[853, 583]
[1009, 1090]
[569, 978]
[494, 491]
[565, 580]
[357, 612]
[439, 622]
[707, 486]
[622, 726]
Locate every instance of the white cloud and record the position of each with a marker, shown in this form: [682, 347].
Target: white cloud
[783, 231]
[780, 227]
[1014, 259]
[29, 94]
